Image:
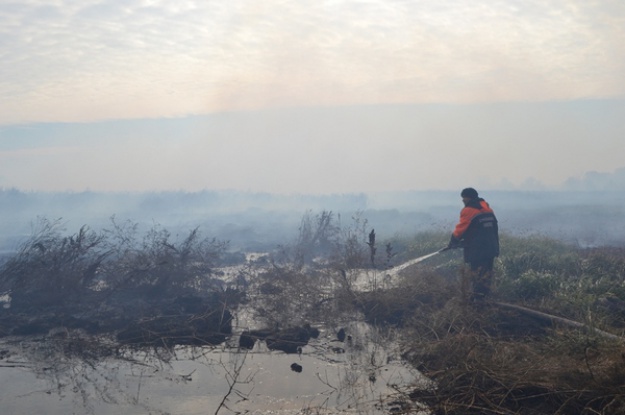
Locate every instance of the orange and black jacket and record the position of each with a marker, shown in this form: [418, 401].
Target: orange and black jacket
[477, 231]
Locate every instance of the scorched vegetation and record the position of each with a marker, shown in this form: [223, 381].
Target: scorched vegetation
[548, 341]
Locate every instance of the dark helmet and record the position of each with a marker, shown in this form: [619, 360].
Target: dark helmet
[469, 192]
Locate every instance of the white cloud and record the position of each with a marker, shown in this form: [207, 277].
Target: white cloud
[87, 60]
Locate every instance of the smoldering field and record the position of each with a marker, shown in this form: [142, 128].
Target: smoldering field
[116, 299]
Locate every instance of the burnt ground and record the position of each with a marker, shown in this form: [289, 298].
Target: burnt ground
[504, 361]
[484, 358]
[145, 317]
[139, 317]
[492, 359]
[499, 358]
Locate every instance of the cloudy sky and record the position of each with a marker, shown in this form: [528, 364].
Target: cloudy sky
[309, 96]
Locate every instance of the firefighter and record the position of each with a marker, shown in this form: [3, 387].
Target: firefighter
[477, 233]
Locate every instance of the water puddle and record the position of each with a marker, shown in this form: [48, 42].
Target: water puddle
[359, 371]
[363, 374]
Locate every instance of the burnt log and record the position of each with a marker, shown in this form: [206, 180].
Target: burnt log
[196, 330]
[290, 340]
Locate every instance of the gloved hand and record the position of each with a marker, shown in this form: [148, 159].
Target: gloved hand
[454, 243]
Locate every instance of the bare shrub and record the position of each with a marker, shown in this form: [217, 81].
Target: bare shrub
[318, 237]
[157, 261]
[50, 269]
[155, 290]
[307, 280]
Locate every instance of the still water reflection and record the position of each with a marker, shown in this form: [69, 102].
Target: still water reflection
[363, 375]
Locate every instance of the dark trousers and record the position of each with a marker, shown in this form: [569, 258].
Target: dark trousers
[481, 277]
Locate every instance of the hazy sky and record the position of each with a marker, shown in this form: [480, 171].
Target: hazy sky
[299, 96]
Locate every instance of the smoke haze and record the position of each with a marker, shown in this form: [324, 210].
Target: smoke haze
[253, 221]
